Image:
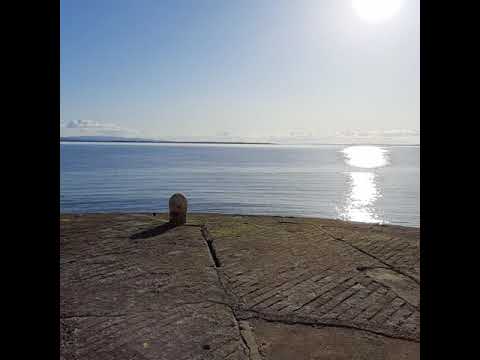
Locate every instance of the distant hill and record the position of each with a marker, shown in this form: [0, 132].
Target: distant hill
[143, 140]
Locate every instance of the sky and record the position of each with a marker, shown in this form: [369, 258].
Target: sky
[264, 70]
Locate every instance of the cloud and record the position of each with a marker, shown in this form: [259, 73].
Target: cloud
[88, 124]
[390, 136]
[393, 133]
[89, 127]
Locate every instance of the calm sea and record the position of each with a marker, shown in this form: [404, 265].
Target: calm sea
[377, 184]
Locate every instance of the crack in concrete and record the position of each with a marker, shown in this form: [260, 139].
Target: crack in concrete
[246, 337]
[393, 268]
[398, 292]
[316, 324]
[241, 314]
[249, 340]
[230, 297]
[211, 247]
[244, 341]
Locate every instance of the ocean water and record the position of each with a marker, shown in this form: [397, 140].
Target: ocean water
[373, 184]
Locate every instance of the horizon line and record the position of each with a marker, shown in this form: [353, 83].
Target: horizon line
[63, 139]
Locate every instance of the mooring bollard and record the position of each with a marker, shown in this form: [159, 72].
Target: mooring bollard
[177, 209]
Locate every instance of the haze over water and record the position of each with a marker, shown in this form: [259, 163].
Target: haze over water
[374, 184]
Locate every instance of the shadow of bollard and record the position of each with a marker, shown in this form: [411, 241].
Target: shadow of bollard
[153, 232]
[177, 205]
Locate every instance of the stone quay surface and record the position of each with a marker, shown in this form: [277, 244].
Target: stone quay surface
[237, 287]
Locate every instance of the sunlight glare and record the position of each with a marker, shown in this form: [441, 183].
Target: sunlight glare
[365, 156]
[376, 10]
[360, 201]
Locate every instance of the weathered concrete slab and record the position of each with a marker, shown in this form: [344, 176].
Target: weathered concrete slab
[156, 298]
[285, 342]
[211, 289]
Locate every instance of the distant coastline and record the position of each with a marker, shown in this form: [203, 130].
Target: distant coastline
[145, 141]
[163, 141]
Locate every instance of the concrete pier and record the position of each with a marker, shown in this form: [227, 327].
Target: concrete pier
[237, 287]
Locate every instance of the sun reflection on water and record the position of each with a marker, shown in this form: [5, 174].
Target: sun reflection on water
[360, 204]
[360, 201]
[366, 157]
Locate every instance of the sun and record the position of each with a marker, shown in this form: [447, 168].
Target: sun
[375, 11]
